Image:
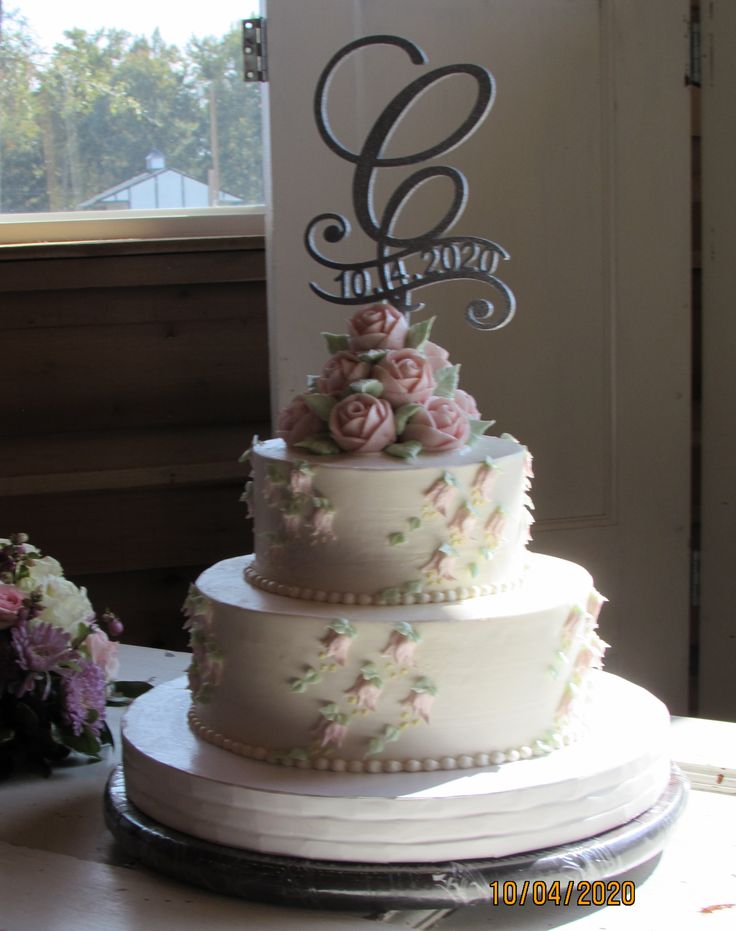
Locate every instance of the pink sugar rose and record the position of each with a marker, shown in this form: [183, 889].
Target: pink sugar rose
[11, 603]
[297, 421]
[340, 371]
[440, 425]
[333, 734]
[400, 649]
[336, 646]
[361, 423]
[467, 403]
[366, 693]
[379, 326]
[437, 356]
[406, 377]
[421, 704]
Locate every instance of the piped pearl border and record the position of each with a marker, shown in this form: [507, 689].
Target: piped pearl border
[349, 598]
[338, 765]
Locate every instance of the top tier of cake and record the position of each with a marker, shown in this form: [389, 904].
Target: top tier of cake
[373, 529]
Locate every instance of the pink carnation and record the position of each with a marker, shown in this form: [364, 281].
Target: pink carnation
[440, 425]
[297, 421]
[406, 377]
[11, 604]
[379, 326]
[361, 423]
[340, 371]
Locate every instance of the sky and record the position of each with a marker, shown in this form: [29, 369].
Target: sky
[177, 22]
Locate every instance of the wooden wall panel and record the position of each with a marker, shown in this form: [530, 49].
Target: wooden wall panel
[134, 376]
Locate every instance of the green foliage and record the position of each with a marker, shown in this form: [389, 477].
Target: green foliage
[83, 118]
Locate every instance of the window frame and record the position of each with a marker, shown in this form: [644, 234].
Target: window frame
[144, 225]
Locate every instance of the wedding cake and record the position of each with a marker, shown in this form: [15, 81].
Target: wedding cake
[392, 675]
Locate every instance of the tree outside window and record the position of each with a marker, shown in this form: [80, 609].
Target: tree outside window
[106, 109]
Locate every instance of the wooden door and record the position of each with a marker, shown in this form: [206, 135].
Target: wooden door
[718, 537]
[580, 171]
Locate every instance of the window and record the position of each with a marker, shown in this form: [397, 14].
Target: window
[118, 128]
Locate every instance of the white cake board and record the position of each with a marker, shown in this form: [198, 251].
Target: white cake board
[202, 814]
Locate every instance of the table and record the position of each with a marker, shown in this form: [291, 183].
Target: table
[60, 870]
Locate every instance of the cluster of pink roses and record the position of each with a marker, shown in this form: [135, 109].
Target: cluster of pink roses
[386, 387]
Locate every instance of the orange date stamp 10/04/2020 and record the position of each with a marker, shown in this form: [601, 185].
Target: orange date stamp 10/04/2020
[580, 892]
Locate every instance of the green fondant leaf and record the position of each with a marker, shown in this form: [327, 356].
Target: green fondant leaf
[389, 594]
[297, 754]
[321, 444]
[405, 629]
[320, 404]
[395, 539]
[321, 504]
[403, 415]
[341, 625]
[375, 746]
[418, 334]
[336, 342]
[424, 685]
[413, 587]
[477, 429]
[371, 674]
[248, 452]
[275, 475]
[298, 685]
[449, 479]
[409, 450]
[414, 523]
[370, 386]
[473, 569]
[446, 381]
[391, 732]
[490, 463]
[331, 712]
[372, 355]
[486, 552]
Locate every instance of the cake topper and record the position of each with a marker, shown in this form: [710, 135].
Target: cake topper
[404, 265]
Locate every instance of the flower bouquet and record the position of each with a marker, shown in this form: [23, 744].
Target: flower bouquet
[57, 664]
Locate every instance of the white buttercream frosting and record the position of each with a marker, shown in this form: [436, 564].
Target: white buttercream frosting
[390, 688]
[452, 525]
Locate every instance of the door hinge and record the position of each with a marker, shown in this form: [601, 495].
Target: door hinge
[693, 77]
[254, 50]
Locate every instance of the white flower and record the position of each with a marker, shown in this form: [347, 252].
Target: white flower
[64, 605]
[40, 570]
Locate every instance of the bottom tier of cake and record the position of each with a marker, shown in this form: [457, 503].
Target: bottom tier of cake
[611, 775]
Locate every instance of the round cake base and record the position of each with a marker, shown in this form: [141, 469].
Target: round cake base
[297, 881]
[613, 773]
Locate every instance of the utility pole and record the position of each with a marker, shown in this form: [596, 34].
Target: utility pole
[213, 175]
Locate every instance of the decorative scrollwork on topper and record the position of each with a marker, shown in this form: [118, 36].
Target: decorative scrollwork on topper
[404, 265]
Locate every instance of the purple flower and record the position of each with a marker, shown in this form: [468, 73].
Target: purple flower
[41, 647]
[83, 695]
